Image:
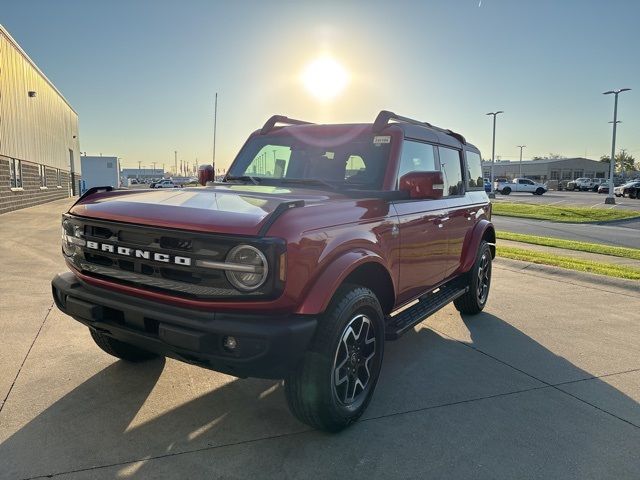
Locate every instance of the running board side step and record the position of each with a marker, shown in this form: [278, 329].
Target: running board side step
[427, 305]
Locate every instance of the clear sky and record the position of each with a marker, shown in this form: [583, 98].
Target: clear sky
[142, 74]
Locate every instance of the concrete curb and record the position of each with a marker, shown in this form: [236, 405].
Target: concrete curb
[600, 280]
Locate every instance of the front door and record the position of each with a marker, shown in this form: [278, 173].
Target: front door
[422, 227]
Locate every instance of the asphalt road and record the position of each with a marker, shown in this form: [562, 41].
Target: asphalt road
[564, 198]
[621, 234]
[544, 384]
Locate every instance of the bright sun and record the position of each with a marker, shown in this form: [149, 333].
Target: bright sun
[325, 78]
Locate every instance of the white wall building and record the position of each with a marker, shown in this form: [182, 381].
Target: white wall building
[99, 172]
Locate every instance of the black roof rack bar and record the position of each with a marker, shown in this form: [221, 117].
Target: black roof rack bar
[383, 118]
[271, 123]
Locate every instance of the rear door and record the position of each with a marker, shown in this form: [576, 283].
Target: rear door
[456, 222]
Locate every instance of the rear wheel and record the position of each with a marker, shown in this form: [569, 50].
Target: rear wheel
[479, 283]
[334, 383]
[120, 349]
[506, 191]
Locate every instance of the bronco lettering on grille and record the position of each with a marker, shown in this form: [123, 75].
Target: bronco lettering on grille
[137, 253]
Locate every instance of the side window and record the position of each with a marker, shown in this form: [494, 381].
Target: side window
[270, 162]
[451, 171]
[474, 170]
[417, 157]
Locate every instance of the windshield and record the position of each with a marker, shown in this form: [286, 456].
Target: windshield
[359, 163]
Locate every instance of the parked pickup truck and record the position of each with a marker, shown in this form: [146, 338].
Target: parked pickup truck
[520, 185]
[584, 184]
[320, 243]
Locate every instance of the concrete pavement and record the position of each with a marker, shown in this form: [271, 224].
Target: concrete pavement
[620, 234]
[544, 384]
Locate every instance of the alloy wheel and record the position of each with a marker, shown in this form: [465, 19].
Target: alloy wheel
[484, 277]
[352, 366]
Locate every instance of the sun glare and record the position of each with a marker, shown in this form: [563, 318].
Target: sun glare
[325, 78]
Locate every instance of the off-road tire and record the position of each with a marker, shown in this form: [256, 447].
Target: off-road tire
[310, 389]
[472, 302]
[120, 349]
[506, 191]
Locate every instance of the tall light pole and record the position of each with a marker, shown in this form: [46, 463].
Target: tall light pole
[215, 125]
[154, 169]
[492, 193]
[610, 200]
[175, 161]
[520, 169]
[139, 162]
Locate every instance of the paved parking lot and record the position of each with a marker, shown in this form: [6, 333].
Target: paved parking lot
[544, 384]
[581, 199]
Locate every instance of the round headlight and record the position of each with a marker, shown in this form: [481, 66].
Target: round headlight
[247, 268]
[71, 238]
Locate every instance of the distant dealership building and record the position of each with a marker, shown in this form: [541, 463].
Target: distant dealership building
[548, 169]
[142, 173]
[39, 145]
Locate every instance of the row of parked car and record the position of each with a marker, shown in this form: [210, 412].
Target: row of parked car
[630, 189]
[586, 184]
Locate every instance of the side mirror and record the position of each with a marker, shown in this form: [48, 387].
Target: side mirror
[205, 174]
[425, 185]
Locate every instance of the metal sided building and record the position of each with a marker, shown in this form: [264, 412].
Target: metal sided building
[39, 145]
[548, 169]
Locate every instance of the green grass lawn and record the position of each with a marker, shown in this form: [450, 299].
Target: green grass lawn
[572, 245]
[561, 214]
[581, 265]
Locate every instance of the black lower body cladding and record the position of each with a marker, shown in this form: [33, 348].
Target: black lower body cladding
[265, 346]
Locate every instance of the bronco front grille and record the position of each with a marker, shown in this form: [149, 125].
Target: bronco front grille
[178, 273]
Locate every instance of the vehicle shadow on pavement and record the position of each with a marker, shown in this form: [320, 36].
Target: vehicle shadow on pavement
[97, 423]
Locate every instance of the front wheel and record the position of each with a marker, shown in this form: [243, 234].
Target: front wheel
[479, 283]
[334, 383]
[540, 191]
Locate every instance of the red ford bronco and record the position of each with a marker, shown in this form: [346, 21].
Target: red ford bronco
[320, 243]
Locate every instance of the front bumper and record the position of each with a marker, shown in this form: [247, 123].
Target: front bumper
[268, 346]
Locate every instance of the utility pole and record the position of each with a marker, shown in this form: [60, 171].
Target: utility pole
[154, 169]
[175, 160]
[139, 162]
[215, 126]
[492, 193]
[610, 200]
[520, 170]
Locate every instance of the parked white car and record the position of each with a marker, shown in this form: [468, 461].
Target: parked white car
[166, 183]
[520, 185]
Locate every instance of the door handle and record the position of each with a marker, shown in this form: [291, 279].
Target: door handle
[440, 220]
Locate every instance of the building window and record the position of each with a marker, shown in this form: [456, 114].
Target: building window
[43, 175]
[566, 174]
[15, 167]
[578, 173]
[555, 175]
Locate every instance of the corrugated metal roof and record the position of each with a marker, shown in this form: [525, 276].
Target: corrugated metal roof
[4, 32]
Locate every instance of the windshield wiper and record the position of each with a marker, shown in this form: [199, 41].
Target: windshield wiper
[309, 181]
[243, 178]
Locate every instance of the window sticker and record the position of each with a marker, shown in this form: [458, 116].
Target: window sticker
[380, 139]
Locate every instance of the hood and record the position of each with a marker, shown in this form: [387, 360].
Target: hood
[235, 209]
